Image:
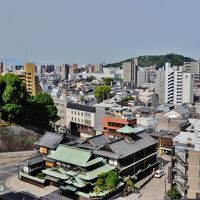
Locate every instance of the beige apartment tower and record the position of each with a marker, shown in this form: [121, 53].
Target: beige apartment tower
[30, 79]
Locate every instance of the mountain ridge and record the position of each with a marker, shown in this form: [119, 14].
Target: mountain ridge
[158, 60]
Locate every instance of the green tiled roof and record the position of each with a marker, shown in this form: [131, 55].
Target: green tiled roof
[127, 130]
[94, 174]
[56, 172]
[68, 187]
[72, 155]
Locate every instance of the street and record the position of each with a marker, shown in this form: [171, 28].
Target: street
[6, 172]
[155, 189]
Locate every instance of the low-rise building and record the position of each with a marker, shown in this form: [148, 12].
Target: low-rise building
[84, 121]
[111, 123]
[148, 97]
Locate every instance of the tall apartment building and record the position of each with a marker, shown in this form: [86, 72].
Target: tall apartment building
[1, 68]
[130, 73]
[160, 85]
[186, 162]
[177, 84]
[143, 76]
[188, 88]
[192, 67]
[31, 80]
[64, 71]
[73, 69]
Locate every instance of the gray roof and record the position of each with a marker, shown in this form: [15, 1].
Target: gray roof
[181, 110]
[94, 142]
[98, 140]
[33, 160]
[164, 134]
[50, 140]
[146, 110]
[81, 107]
[124, 147]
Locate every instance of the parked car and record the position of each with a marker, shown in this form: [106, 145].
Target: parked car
[159, 173]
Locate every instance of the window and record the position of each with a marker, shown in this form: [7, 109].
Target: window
[87, 114]
[71, 111]
[78, 113]
[75, 112]
[199, 187]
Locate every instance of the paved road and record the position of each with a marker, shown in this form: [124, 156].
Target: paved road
[6, 172]
[155, 189]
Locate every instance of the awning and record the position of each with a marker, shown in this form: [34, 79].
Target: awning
[167, 149]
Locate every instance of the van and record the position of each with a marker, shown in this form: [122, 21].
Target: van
[159, 173]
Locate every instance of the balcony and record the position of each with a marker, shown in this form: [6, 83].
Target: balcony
[182, 186]
[179, 159]
[175, 169]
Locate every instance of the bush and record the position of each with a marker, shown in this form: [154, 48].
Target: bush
[41, 175]
[106, 181]
[173, 193]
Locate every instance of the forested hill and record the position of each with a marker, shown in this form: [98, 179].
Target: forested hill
[158, 60]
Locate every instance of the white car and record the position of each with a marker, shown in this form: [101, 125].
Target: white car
[159, 173]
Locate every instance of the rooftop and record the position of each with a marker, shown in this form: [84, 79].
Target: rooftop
[124, 147]
[50, 140]
[75, 156]
[81, 107]
[130, 130]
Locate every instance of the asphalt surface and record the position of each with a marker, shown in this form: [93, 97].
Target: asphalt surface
[6, 172]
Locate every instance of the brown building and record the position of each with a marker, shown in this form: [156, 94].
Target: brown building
[165, 140]
[112, 123]
[186, 164]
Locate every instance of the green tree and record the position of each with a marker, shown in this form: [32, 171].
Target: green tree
[173, 193]
[90, 78]
[107, 81]
[101, 92]
[43, 110]
[17, 106]
[111, 180]
[12, 97]
[106, 181]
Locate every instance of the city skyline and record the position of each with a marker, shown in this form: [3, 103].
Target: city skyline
[94, 32]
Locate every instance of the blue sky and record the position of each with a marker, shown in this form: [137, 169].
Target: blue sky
[92, 31]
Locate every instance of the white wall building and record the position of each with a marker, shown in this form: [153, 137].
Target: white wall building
[178, 85]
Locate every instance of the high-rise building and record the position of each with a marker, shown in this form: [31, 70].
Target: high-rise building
[130, 73]
[192, 67]
[160, 84]
[1, 68]
[173, 84]
[185, 173]
[73, 69]
[143, 76]
[64, 71]
[178, 85]
[30, 79]
[188, 88]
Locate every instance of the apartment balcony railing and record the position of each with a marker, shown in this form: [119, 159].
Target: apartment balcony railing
[182, 186]
[175, 169]
[179, 159]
